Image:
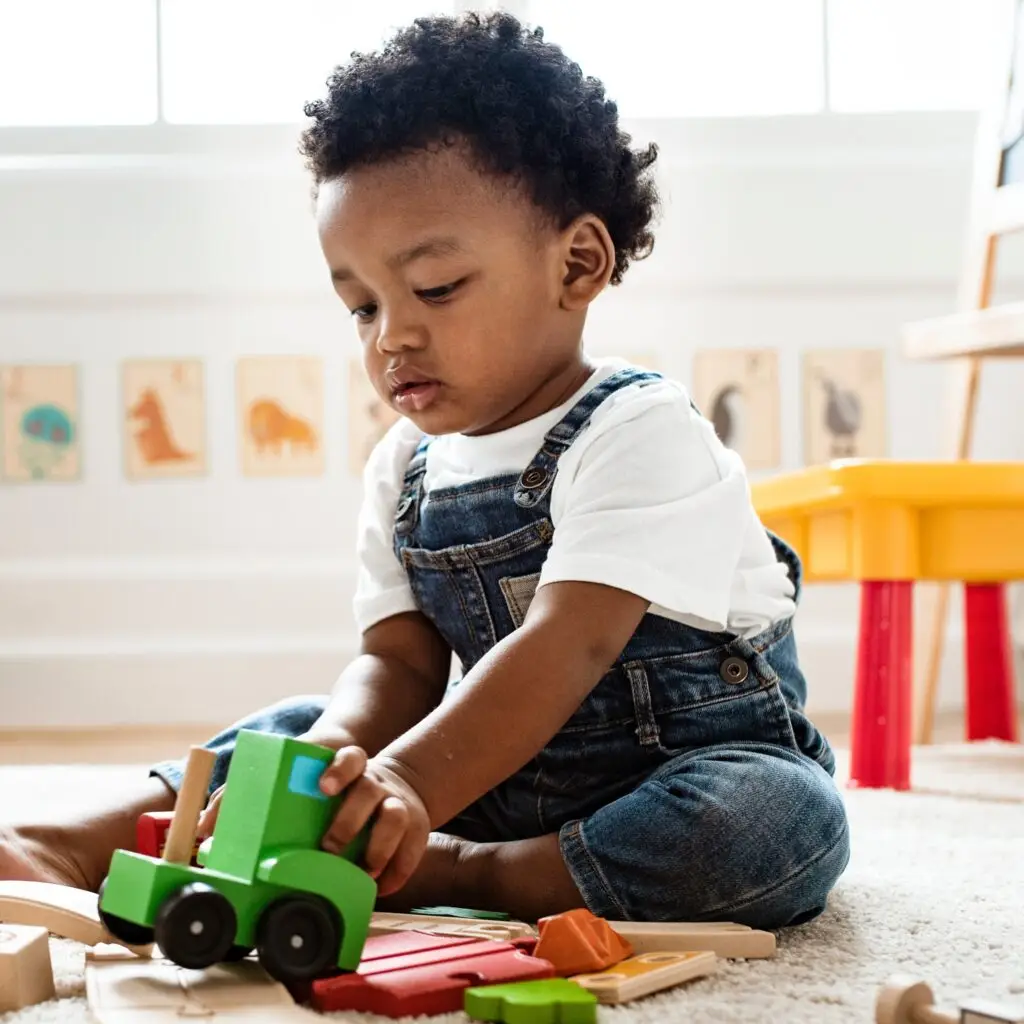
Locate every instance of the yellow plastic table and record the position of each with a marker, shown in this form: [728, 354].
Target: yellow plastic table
[886, 524]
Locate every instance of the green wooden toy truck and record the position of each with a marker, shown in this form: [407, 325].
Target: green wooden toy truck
[261, 880]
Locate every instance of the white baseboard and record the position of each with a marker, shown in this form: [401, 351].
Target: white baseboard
[150, 646]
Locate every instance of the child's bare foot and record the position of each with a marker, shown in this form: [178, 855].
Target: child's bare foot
[78, 852]
[526, 878]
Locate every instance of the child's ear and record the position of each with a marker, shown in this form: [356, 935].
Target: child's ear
[588, 261]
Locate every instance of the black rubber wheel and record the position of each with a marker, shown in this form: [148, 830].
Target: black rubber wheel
[122, 930]
[196, 926]
[299, 938]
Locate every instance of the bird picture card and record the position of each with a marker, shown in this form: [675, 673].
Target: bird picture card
[164, 418]
[738, 391]
[369, 417]
[40, 423]
[844, 405]
[281, 415]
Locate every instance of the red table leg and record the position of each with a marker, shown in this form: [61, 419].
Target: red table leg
[881, 727]
[991, 713]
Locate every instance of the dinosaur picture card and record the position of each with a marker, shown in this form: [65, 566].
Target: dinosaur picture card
[844, 405]
[281, 415]
[738, 391]
[369, 417]
[164, 419]
[39, 423]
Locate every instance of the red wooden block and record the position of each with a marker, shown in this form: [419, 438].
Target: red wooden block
[151, 832]
[411, 973]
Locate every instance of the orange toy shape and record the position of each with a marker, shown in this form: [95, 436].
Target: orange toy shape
[579, 942]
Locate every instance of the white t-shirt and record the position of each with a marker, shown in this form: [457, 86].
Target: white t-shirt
[646, 499]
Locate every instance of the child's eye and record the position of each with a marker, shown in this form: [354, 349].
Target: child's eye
[365, 312]
[439, 293]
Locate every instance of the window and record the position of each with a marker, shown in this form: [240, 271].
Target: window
[233, 61]
[886, 55]
[696, 57]
[304, 779]
[73, 62]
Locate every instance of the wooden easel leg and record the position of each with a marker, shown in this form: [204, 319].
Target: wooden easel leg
[926, 674]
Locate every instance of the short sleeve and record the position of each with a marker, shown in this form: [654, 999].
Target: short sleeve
[382, 587]
[651, 503]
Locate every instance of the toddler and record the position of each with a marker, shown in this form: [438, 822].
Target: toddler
[625, 731]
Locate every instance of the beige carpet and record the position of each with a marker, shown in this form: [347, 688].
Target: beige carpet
[935, 888]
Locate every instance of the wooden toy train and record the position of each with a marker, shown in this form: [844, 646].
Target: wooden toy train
[261, 880]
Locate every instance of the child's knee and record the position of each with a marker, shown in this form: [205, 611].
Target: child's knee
[745, 836]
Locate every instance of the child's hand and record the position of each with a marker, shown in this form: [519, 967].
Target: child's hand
[208, 818]
[375, 793]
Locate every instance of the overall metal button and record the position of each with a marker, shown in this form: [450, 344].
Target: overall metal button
[733, 670]
[534, 477]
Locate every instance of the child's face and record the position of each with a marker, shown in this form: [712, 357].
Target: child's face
[457, 288]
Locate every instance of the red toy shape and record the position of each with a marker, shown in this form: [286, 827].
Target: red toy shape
[411, 973]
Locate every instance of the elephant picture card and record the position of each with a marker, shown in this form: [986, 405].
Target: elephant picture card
[738, 391]
[40, 427]
[164, 418]
[844, 405]
[281, 415]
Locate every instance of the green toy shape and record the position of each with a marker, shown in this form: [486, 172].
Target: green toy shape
[547, 1001]
[262, 880]
[483, 915]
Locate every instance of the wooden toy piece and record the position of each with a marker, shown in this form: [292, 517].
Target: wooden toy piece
[984, 1011]
[504, 931]
[192, 797]
[483, 915]
[411, 973]
[26, 974]
[151, 834]
[907, 1000]
[578, 941]
[159, 992]
[61, 909]
[262, 879]
[554, 1001]
[723, 938]
[639, 976]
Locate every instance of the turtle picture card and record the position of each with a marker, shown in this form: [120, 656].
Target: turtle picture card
[369, 417]
[39, 423]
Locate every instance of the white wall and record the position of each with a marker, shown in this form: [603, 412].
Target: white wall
[195, 601]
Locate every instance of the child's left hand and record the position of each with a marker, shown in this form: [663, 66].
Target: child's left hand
[400, 822]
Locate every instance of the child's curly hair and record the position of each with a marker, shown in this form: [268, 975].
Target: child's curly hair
[525, 108]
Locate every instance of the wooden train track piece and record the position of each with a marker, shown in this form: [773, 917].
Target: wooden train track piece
[62, 910]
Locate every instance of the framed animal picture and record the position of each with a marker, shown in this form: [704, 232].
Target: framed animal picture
[738, 391]
[164, 418]
[40, 423]
[844, 405]
[369, 417]
[281, 415]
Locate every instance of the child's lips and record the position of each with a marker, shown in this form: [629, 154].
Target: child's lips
[416, 396]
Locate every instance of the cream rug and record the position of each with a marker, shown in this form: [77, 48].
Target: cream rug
[935, 888]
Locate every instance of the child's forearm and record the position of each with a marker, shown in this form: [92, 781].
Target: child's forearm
[375, 700]
[505, 711]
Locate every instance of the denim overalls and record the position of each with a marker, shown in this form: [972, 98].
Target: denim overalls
[688, 784]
